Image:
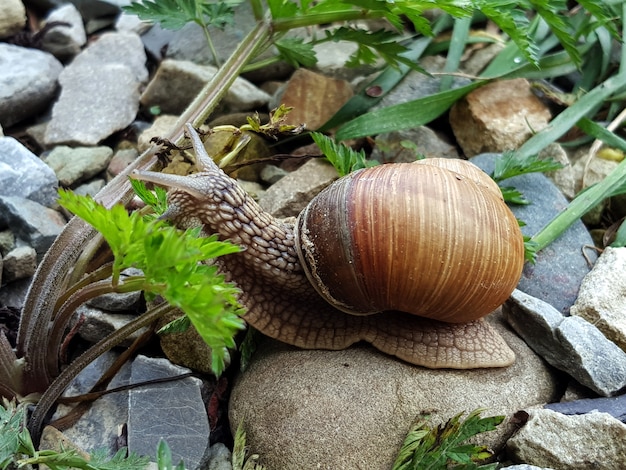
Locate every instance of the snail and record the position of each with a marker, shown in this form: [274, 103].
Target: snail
[408, 256]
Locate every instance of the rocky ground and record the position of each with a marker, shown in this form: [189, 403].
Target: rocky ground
[82, 105]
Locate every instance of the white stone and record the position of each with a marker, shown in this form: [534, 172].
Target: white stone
[551, 439]
[13, 17]
[602, 296]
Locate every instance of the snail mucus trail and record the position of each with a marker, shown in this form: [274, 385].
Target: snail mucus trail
[460, 245]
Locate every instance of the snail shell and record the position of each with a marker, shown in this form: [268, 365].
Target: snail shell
[432, 238]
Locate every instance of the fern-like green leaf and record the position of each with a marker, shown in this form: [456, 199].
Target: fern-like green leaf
[173, 263]
[343, 158]
[442, 447]
[296, 52]
[511, 164]
[174, 14]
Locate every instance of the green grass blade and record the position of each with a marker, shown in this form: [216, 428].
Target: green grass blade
[580, 205]
[460, 34]
[561, 124]
[553, 65]
[405, 115]
[596, 131]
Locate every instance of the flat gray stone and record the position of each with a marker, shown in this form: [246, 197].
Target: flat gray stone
[291, 194]
[99, 91]
[171, 410]
[96, 101]
[33, 223]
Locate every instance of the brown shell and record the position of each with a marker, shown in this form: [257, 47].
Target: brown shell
[415, 237]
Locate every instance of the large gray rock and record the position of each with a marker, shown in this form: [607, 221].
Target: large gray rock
[551, 439]
[570, 344]
[23, 174]
[28, 81]
[100, 91]
[352, 408]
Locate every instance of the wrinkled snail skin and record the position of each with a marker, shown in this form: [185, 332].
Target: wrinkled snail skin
[280, 300]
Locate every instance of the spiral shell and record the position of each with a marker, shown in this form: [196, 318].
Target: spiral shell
[432, 238]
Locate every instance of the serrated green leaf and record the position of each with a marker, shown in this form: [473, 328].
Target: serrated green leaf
[170, 14]
[296, 52]
[511, 164]
[343, 158]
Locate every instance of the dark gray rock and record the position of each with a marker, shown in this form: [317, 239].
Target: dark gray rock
[19, 263]
[560, 267]
[615, 406]
[23, 174]
[97, 324]
[570, 344]
[28, 81]
[14, 294]
[33, 223]
[189, 43]
[172, 410]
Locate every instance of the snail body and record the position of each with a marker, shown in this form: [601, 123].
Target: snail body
[408, 257]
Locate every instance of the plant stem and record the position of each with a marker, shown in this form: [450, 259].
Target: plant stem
[206, 101]
[209, 41]
[285, 24]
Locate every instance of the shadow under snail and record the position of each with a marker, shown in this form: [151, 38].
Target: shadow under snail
[408, 257]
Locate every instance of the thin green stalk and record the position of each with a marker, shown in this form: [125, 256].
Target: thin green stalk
[209, 41]
[286, 24]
